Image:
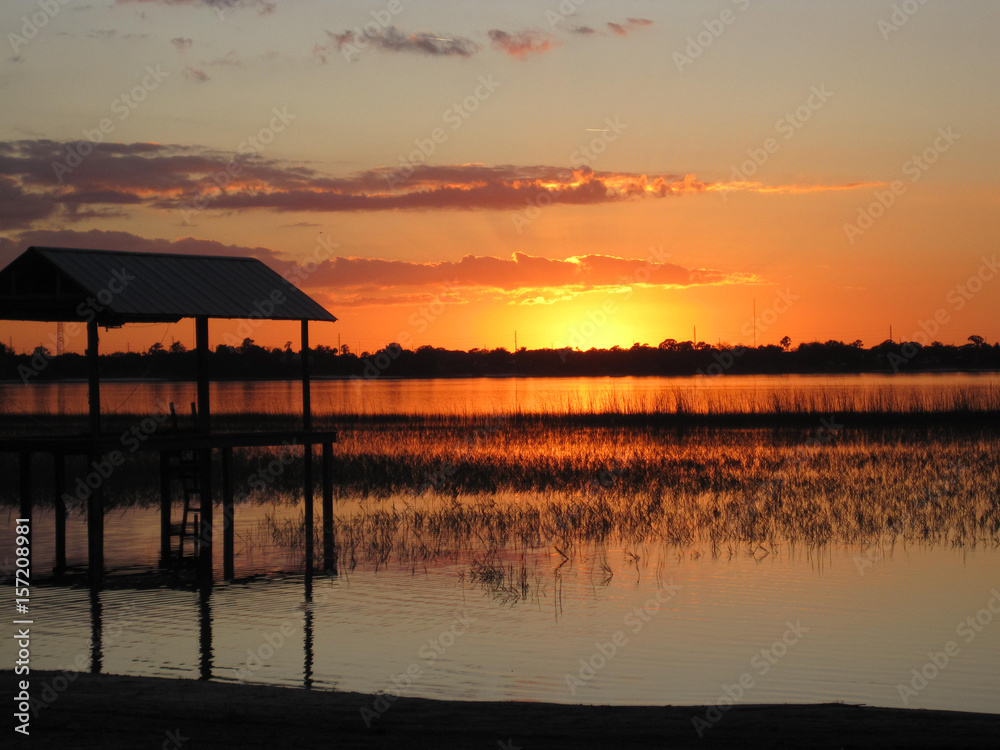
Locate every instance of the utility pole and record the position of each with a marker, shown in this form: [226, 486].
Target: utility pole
[515, 342]
[754, 322]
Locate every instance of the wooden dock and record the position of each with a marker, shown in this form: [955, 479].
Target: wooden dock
[107, 450]
[60, 284]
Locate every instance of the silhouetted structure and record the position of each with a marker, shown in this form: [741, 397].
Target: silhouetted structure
[103, 288]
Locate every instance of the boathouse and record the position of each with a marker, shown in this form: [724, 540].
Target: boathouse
[105, 289]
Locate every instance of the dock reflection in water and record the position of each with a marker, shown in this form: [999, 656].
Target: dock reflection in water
[864, 630]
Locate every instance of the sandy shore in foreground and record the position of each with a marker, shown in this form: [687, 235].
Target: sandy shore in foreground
[106, 711]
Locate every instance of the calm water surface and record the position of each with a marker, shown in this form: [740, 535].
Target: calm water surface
[806, 625]
[490, 395]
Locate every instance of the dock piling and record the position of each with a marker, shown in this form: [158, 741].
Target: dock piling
[59, 479]
[329, 553]
[228, 536]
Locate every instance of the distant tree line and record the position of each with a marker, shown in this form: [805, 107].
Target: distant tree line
[670, 357]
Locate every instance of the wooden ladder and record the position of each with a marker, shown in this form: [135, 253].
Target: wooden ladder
[186, 466]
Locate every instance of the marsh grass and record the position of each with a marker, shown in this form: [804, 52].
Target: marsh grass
[494, 491]
[515, 491]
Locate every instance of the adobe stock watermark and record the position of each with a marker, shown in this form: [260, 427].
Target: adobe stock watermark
[258, 480]
[900, 16]
[174, 740]
[266, 476]
[249, 147]
[714, 28]
[938, 661]
[296, 274]
[100, 471]
[455, 116]
[428, 654]
[419, 321]
[607, 477]
[826, 433]
[87, 310]
[932, 493]
[581, 157]
[123, 106]
[562, 13]
[435, 480]
[786, 127]
[757, 325]
[265, 650]
[604, 652]
[597, 318]
[31, 25]
[760, 664]
[52, 690]
[222, 7]
[957, 298]
[381, 20]
[915, 168]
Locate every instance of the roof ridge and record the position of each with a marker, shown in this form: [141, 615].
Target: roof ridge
[141, 254]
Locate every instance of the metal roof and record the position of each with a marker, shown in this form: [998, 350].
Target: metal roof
[52, 283]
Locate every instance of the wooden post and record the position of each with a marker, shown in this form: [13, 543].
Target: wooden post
[59, 478]
[329, 553]
[205, 454]
[24, 489]
[96, 629]
[307, 490]
[93, 378]
[307, 643]
[165, 554]
[307, 448]
[205, 631]
[201, 359]
[306, 394]
[24, 483]
[205, 562]
[228, 539]
[95, 531]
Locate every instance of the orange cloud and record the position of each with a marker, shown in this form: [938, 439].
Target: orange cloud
[519, 279]
[624, 29]
[43, 179]
[522, 44]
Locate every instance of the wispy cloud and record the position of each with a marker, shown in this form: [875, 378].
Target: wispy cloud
[519, 279]
[522, 44]
[193, 74]
[171, 177]
[518, 44]
[392, 39]
[263, 7]
[518, 273]
[116, 240]
[229, 59]
[632, 24]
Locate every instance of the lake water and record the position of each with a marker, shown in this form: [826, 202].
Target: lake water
[623, 624]
[492, 395]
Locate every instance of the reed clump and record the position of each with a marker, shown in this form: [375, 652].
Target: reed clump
[523, 488]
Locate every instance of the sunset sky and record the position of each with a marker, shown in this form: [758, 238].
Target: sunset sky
[463, 171]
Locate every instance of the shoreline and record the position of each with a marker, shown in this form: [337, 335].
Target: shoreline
[112, 711]
[518, 376]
